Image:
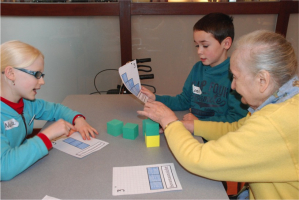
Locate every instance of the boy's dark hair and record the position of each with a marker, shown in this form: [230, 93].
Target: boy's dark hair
[218, 24]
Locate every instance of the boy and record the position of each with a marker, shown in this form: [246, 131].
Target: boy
[207, 90]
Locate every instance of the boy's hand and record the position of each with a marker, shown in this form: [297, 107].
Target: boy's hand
[161, 130]
[84, 128]
[148, 93]
[189, 125]
[189, 116]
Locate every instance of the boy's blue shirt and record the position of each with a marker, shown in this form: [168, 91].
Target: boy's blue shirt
[17, 152]
[207, 91]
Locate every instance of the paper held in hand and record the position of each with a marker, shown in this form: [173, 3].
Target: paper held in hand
[130, 78]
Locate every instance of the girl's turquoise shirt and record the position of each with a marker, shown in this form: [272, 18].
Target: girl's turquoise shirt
[17, 152]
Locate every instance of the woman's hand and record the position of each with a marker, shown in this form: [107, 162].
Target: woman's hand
[148, 93]
[189, 116]
[58, 129]
[158, 112]
[84, 128]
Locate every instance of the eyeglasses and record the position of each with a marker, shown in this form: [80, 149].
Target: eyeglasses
[36, 74]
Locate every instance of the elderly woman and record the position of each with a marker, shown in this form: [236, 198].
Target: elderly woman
[261, 148]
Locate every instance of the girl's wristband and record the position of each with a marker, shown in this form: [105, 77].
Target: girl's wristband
[77, 116]
[170, 123]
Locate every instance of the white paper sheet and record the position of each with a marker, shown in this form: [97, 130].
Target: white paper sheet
[130, 78]
[76, 146]
[49, 198]
[145, 179]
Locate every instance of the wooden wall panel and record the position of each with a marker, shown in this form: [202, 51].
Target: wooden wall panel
[125, 9]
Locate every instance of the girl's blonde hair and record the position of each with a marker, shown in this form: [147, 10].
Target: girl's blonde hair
[266, 50]
[18, 54]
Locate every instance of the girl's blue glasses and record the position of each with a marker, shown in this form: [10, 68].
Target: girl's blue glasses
[36, 74]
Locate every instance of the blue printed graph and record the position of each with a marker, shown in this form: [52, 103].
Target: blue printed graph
[76, 143]
[133, 88]
[154, 177]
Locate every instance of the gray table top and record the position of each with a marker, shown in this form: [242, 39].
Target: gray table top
[66, 177]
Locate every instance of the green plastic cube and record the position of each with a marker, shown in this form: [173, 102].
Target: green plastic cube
[150, 127]
[115, 127]
[144, 124]
[130, 131]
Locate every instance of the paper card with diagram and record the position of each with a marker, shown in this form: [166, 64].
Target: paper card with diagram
[76, 146]
[130, 78]
[145, 179]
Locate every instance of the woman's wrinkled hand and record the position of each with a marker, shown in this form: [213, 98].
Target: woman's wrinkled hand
[158, 112]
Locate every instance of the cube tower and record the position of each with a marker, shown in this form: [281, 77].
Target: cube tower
[151, 132]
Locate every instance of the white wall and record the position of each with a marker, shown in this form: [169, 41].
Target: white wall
[77, 48]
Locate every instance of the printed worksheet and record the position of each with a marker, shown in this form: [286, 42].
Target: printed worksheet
[76, 146]
[130, 78]
[145, 179]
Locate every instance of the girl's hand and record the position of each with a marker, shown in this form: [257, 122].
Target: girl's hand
[189, 116]
[58, 129]
[84, 128]
[148, 93]
[158, 112]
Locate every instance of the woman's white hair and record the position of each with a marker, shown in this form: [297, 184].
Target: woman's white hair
[269, 51]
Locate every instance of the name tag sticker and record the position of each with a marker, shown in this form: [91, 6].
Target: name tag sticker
[9, 124]
[196, 90]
